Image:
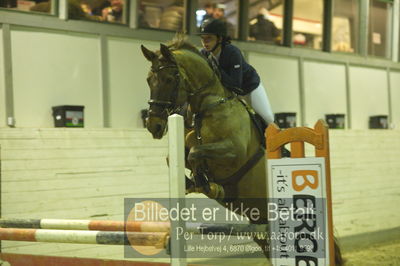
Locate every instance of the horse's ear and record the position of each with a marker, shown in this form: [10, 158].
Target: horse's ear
[148, 54]
[166, 53]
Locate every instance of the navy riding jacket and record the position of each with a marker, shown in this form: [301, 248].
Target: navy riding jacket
[236, 73]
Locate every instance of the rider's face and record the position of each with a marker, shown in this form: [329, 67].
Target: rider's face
[209, 41]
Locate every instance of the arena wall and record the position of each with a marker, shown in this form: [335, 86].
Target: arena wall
[395, 96]
[2, 84]
[107, 75]
[77, 174]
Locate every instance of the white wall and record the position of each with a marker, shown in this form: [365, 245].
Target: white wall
[368, 95]
[324, 89]
[2, 93]
[128, 71]
[395, 98]
[55, 68]
[280, 76]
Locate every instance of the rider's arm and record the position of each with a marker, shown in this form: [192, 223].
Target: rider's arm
[232, 70]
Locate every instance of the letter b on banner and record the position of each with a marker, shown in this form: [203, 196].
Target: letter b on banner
[304, 178]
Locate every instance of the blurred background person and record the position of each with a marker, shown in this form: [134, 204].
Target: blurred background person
[264, 29]
[86, 8]
[172, 17]
[98, 6]
[209, 7]
[142, 22]
[75, 10]
[114, 12]
[8, 3]
[219, 13]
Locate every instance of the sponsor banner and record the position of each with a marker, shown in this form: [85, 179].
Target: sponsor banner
[298, 190]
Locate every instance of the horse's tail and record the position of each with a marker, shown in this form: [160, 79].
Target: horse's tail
[339, 260]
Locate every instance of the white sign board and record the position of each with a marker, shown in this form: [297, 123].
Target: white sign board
[298, 211]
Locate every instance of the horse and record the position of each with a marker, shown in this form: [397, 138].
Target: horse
[224, 147]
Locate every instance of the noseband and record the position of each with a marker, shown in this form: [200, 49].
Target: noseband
[169, 107]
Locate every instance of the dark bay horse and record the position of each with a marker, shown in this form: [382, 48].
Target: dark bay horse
[224, 137]
[225, 152]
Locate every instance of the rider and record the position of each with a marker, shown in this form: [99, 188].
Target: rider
[236, 74]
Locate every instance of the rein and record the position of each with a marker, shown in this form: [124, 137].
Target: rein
[171, 107]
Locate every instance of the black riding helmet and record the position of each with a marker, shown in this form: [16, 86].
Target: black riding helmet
[214, 26]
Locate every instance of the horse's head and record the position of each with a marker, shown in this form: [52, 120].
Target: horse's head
[165, 82]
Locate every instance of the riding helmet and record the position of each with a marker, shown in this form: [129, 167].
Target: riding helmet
[214, 26]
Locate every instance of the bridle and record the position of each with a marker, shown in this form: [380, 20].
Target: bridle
[168, 106]
[171, 106]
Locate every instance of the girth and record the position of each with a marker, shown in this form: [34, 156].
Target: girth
[234, 178]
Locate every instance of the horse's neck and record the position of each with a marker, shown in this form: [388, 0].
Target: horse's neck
[199, 78]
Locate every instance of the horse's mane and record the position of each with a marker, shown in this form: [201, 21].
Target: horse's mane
[180, 42]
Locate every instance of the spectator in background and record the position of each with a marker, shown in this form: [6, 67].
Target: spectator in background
[219, 13]
[172, 17]
[264, 29]
[209, 7]
[75, 10]
[142, 22]
[113, 13]
[98, 7]
[299, 39]
[86, 8]
[8, 3]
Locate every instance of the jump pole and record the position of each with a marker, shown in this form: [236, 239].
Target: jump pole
[129, 226]
[156, 239]
[176, 152]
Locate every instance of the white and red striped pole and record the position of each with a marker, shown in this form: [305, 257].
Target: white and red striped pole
[156, 239]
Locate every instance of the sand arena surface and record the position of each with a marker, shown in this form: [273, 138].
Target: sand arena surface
[384, 254]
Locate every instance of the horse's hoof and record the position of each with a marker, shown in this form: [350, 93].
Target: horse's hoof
[216, 191]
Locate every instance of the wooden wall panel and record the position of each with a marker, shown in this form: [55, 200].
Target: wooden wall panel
[77, 174]
[365, 170]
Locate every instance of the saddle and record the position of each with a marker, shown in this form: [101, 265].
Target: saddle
[261, 125]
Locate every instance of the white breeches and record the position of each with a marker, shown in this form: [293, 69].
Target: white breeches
[260, 103]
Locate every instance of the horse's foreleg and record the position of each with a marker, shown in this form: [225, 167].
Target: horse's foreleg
[189, 184]
[197, 159]
[198, 154]
[187, 165]
[215, 150]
